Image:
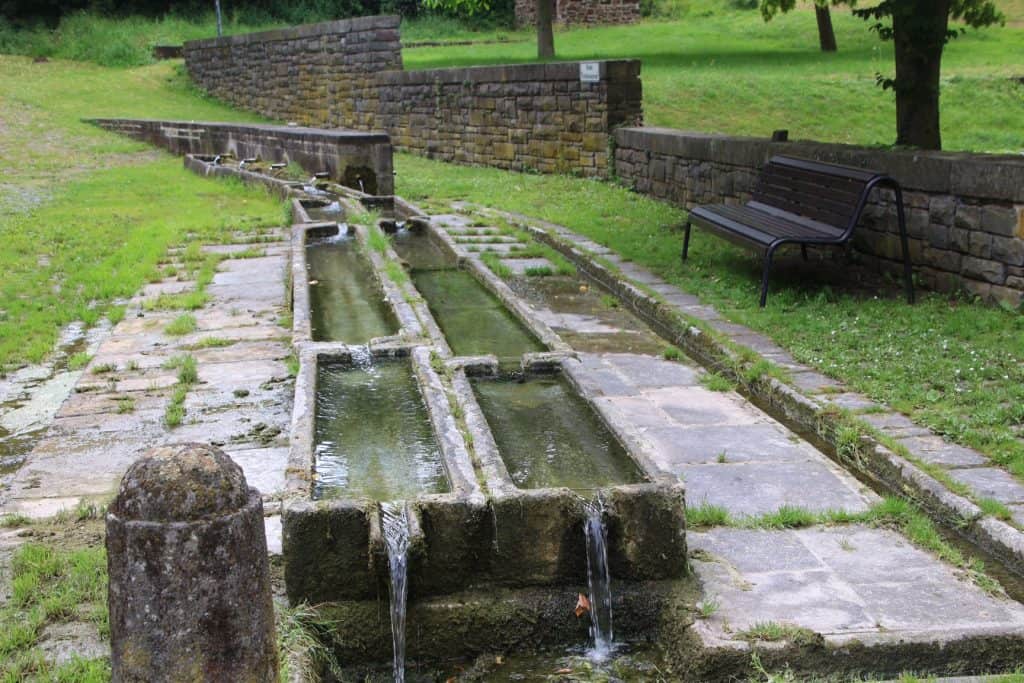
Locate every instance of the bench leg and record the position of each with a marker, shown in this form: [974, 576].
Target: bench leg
[908, 274]
[803, 250]
[686, 240]
[764, 276]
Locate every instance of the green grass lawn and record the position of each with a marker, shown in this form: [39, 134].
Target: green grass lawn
[87, 215]
[951, 364]
[732, 73]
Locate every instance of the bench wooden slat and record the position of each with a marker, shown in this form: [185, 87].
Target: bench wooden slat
[801, 206]
[763, 225]
[853, 173]
[843, 194]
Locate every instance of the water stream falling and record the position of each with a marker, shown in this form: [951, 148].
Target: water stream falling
[395, 523]
[598, 579]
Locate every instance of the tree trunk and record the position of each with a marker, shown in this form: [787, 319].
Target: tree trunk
[919, 35]
[826, 34]
[545, 30]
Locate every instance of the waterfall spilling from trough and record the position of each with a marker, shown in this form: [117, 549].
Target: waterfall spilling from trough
[395, 524]
[598, 579]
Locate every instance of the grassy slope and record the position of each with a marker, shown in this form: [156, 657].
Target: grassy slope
[732, 73]
[953, 365]
[88, 214]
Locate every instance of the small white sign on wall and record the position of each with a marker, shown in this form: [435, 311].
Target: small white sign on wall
[590, 72]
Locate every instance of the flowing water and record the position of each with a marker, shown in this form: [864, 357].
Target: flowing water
[599, 581]
[395, 525]
[473, 320]
[373, 435]
[345, 299]
[549, 437]
[331, 211]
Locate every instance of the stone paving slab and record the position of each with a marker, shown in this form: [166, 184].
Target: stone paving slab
[502, 249]
[728, 451]
[519, 266]
[463, 238]
[991, 482]
[938, 451]
[840, 582]
[242, 400]
[758, 488]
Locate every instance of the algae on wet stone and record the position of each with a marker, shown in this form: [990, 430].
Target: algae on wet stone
[548, 437]
[373, 435]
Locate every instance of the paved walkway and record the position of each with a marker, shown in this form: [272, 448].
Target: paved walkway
[984, 478]
[241, 403]
[843, 582]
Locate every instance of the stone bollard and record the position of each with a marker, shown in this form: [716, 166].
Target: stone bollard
[189, 579]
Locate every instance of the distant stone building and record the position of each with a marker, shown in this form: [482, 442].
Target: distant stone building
[582, 12]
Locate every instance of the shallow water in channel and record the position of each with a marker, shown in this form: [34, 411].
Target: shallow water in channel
[345, 300]
[473, 320]
[373, 434]
[549, 437]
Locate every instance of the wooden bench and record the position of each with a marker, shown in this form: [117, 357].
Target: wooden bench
[798, 201]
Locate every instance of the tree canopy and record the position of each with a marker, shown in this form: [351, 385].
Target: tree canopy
[919, 30]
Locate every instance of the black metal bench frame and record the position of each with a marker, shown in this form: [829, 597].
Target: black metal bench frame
[800, 201]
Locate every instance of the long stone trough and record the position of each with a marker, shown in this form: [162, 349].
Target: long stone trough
[484, 532]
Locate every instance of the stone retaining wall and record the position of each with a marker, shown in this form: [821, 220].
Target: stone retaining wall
[348, 156]
[965, 212]
[582, 12]
[348, 74]
[295, 74]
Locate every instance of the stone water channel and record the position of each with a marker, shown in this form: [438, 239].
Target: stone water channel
[365, 433]
[462, 496]
[568, 410]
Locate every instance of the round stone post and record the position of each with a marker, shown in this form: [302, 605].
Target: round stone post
[189, 579]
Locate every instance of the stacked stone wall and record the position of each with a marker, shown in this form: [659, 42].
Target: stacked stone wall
[295, 74]
[582, 12]
[965, 212]
[347, 74]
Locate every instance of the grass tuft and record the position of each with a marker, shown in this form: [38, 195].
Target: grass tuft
[707, 515]
[494, 262]
[78, 360]
[301, 634]
[773, 632]
[182, 325]
[715, 382]
[996, 509]
[213, 343]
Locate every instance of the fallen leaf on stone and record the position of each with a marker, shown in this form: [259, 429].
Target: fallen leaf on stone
[582, 605]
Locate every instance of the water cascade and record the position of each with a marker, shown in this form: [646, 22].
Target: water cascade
[598, 579]
[395, 524]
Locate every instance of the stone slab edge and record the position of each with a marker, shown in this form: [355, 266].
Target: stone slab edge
[809, 413]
